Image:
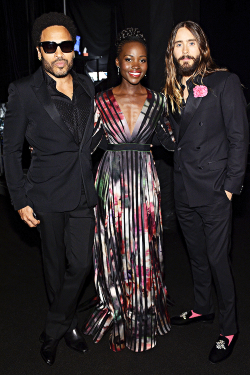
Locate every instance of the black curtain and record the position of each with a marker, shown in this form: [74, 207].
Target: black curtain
[93, 21]
[227, 26]
[92, 18]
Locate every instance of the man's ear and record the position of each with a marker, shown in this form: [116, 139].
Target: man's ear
[39, 55]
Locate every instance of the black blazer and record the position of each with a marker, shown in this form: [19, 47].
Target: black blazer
[212, 141]
[58, 164]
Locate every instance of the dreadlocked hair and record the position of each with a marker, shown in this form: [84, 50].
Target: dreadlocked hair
[129, 35]
[52, 19]
[206, 66]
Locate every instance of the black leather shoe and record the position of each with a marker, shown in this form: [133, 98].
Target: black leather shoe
[42, 337]
[48, 350]
[184, 319]
[75, 340]
[221, 350]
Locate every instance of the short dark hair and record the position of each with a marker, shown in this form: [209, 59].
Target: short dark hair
[52, 19]
[129, 35]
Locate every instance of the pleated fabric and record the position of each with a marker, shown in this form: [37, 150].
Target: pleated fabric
[127, 249]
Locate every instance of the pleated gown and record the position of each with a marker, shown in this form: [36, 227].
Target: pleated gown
[128, 259]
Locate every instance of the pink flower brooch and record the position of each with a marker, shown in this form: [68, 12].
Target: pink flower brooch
[200, 91]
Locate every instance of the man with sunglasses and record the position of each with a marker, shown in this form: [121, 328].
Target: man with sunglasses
[53, 110]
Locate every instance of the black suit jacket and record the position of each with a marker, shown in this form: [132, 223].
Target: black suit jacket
[212, 141]
[58, 164]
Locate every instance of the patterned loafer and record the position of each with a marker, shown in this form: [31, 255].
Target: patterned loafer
[185, 319]
[221, 350]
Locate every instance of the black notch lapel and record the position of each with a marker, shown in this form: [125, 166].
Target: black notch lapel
[85, 86]
[190, 108]
[88, 131]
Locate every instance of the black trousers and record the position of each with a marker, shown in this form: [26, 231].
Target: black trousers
[207, 231]
[67, 240]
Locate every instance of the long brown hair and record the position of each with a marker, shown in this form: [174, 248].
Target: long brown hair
[206, 66]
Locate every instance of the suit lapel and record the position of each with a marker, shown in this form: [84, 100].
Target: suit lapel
[188, 113]
[41, 92]
[88, 130]
[85, 86]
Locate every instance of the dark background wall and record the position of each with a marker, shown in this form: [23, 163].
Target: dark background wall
[226, 23]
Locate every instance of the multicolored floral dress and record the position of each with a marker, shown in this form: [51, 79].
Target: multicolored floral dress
[127, 250]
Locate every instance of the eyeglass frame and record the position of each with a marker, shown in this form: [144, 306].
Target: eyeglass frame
[57, 45]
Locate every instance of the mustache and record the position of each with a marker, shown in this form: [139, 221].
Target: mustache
[59, 59]
[186, 57]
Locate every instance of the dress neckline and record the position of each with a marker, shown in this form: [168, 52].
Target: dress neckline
[111, 94]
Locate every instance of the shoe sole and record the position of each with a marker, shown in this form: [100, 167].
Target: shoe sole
[196, 321]
[221, 360]
[76, 350]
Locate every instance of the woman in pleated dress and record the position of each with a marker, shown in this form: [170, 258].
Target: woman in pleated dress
[127, 251]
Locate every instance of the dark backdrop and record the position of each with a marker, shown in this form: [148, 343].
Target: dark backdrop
[226, 22]
[227, 25]
[17, 53]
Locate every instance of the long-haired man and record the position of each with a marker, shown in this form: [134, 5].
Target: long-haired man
[207, 113]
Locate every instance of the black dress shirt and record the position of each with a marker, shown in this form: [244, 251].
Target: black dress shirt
[73, 112]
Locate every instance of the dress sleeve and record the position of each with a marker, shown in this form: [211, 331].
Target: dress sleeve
[98, 137]
[163, 133]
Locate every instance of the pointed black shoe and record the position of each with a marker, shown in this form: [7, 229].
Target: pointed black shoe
[48, 350]
[75, 340]
[221, 350]
[42, 337]
[183, 319]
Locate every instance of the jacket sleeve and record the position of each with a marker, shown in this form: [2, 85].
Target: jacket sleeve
[15, 125]
[233, 106]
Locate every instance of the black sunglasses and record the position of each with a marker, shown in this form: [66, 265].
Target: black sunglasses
[50, 47]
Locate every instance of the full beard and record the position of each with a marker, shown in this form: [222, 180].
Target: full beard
[55, 71]
[186, 69]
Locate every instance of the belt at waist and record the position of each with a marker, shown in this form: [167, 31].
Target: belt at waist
[128, 147]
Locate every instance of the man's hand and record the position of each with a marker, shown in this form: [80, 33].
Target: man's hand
[229, 195]
[26, 214]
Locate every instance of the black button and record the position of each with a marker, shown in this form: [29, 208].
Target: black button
[200, 167]
[198, 148]
[179, 148]
[200, 123]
